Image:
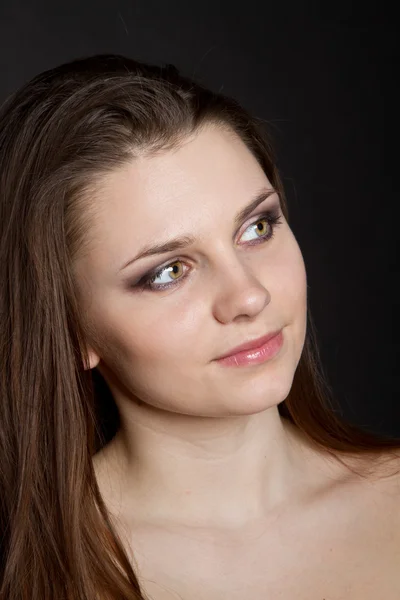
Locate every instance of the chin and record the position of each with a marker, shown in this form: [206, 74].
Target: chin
[253, 401]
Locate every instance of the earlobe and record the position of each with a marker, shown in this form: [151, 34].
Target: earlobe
[94, 360]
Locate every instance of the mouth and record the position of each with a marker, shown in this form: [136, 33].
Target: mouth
[254, 344]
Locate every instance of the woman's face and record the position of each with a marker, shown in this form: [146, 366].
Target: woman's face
[233, 283]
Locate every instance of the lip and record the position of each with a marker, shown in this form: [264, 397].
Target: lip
[251, 345]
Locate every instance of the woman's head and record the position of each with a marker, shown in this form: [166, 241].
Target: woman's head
[135, 155]
[98, 158]
[237, 279]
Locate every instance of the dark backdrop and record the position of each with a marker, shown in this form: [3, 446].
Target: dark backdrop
[326, 83]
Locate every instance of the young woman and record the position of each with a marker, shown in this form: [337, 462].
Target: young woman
[144, 237]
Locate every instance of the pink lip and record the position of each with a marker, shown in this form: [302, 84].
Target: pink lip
[255, 355]
[253, 345]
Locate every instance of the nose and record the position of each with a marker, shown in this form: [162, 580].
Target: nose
[240, 293]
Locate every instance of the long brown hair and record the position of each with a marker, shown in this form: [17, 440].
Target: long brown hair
[58, 133]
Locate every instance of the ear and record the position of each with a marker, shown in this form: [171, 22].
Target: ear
[94, 359]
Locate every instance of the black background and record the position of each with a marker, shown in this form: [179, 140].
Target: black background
[325, 79]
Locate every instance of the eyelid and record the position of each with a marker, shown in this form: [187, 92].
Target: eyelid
[272, 209]
[273, 214]
[262, 213]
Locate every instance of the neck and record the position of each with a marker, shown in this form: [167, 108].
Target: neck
[200, 471]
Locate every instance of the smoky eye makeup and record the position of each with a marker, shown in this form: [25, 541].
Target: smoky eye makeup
[175, 274]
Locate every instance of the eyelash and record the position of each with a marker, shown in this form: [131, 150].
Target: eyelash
[272, 216]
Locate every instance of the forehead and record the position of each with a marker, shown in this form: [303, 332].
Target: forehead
[211, 162]
[174, 192]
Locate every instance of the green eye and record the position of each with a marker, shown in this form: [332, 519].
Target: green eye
[263, 234]
[261, 229]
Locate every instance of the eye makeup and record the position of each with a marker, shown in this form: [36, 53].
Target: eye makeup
[272, 217]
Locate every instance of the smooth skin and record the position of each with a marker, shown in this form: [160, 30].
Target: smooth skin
[218, 496]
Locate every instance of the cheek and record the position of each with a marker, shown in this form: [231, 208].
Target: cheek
[296, 280]
[287, 276]
[294, 294]
[160, 336]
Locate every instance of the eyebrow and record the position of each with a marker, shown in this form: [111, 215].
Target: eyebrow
[179, 243]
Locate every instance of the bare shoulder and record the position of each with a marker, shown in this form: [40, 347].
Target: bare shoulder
[388, 483]
[379, 473]
[377, 491]
[384, 470]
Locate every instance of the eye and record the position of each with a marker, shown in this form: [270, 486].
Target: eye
[263, 231]
[171, 270]
[263, 228]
